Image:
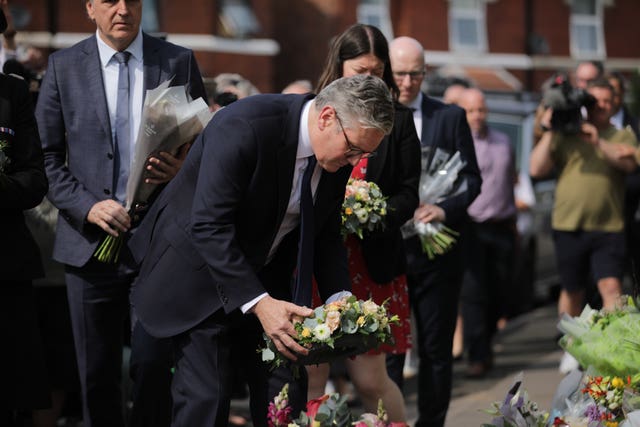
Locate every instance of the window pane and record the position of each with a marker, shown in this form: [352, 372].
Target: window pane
[584, 7]
[586, 38]
[237, 19]
[465, 4]
[467, 29]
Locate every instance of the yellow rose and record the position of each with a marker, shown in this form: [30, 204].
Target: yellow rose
[306, 332]
[348, 211]
[360, 321]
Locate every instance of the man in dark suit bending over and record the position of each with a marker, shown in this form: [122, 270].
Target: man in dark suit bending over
[219, 244]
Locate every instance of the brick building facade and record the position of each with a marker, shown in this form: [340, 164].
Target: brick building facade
[502, 45]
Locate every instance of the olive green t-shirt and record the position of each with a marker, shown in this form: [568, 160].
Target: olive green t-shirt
[590, 191]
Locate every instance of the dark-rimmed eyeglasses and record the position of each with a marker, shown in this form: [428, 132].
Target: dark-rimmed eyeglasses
[352, 150]
[413, 75]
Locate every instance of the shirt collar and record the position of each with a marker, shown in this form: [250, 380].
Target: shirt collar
[304, 139]
[106, 52]
[416, 104]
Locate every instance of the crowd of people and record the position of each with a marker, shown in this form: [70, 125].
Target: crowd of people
[242, 234]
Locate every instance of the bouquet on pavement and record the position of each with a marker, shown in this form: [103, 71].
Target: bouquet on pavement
[330, 410]
[438, 181]
[516, 410]
[170, 119]
[606, 341]
[341, 328]
[363, 209]
[601, 401]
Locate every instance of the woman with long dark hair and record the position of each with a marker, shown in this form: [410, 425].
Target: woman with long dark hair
[377, 262]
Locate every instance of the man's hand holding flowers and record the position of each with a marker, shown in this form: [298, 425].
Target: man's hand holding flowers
[164, 166]
[429, 213]
[277, 318]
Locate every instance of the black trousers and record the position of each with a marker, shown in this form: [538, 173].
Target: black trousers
[98, 295]
[205, 356]
[487, 285]
[434, 288]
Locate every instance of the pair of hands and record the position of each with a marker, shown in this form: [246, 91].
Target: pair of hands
[112, 217]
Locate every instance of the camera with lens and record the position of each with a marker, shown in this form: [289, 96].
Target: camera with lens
[566, 102]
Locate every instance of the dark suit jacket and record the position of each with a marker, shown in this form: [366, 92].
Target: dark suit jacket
[73, 119]
[396, 170]
[445, 126]
[205, 241]
[23, 183]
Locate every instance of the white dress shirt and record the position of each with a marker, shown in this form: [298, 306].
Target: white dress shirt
[136, 84]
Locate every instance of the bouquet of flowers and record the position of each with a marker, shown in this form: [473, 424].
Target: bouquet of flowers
[601, 401]
[517, 410]
[606, 341]
[363, 209]
[439, 180]
[342, 328]
[330, 410]
[170, 119]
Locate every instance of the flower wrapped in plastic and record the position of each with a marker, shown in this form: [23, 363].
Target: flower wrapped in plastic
[516, 410]
[170, 119]
[363, 209]
[606, 341]
[330, 410]
[342, 328]
[438, 181]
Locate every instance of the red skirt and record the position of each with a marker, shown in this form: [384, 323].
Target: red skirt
[396, 291]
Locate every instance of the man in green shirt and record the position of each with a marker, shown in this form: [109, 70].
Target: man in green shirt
[587, 218]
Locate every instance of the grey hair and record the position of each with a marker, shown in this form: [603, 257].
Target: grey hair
[363, 99]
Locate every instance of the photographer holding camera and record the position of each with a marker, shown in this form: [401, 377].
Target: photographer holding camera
[587, 220]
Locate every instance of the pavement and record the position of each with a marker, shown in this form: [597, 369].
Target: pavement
[527, 344]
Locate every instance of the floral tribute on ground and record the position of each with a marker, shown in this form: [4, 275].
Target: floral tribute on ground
[330, 410]
[341, 328]
[363, 209]
[605, 392]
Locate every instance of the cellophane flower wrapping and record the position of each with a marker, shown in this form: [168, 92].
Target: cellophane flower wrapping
[606, 341]
[342, 328]
[170, 119]
[363, 209]
[438, 181]
[516, 410]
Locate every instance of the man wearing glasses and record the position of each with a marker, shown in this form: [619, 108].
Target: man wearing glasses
[220, 243]
[434, 285]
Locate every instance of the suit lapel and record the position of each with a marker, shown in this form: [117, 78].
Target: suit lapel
[95, 85]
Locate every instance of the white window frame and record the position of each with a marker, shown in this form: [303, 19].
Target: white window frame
[597, 22]
[479, 15]
[376, 13]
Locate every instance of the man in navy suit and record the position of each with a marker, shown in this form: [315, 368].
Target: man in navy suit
[77, 115]
[434, 285]
[219, 244]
